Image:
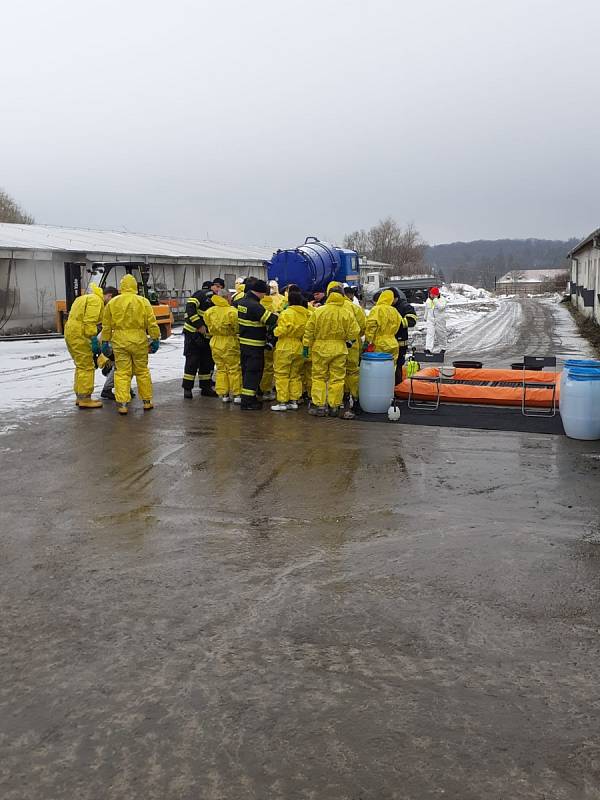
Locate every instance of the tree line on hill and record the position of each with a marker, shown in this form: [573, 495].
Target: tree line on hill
[479, 263]
[482, 262]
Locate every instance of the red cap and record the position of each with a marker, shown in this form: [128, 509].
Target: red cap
[434, 291]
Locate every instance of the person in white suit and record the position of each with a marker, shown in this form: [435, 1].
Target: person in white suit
[435, 322]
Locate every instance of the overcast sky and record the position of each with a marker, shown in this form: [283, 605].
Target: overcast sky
[263, 122]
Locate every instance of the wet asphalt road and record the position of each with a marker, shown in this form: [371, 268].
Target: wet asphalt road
[202, 604]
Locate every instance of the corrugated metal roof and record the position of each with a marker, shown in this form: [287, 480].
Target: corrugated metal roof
[82, 240]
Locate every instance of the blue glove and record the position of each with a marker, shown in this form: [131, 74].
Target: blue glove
[305, 352]
[154, 345]
[105, 348]
[95, 344]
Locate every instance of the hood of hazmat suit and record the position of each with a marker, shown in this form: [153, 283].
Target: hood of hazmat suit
[221, 320]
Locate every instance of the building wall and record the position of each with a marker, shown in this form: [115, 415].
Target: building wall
[523, 288]
[585, 281]
[32, 282]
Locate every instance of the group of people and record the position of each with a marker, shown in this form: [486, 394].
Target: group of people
[288, 347]
[115, 329]
[263, 344]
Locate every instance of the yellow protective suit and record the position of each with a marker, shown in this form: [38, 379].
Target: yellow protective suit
[268, 376]
[278, 302]
[382, 325]
[328, 329]
[84, 317]
[222, 323]
[307, 371]
[353, 360]
[288, 362]
[128, 321]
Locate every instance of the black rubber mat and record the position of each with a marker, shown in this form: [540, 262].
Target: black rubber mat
[486, 418]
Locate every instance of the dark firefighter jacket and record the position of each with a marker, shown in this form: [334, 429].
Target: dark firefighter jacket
[254, 320]
[409, 320]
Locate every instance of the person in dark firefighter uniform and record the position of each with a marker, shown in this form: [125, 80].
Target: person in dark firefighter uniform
[196, 347]
[254, 320]
[409, 320]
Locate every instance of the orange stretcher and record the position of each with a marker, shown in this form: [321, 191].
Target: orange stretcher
[482, 387]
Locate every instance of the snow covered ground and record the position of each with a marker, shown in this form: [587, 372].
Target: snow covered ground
[570, 342]
[35, 372]
[465, 310]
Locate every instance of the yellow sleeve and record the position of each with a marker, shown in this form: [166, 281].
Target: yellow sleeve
[309, 331]
[151, 323]
[92, 315]
[284, 325]
[371, 326]
[107, 324]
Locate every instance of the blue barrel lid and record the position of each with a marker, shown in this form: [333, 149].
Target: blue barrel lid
[593, 375]
[378, 356]
[582, 362]
[582, 368]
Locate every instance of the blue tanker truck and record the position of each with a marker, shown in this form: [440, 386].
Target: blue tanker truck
[313, 265]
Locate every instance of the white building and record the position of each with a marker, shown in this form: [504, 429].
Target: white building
[532, 281]
[585, 275]
[33, 258]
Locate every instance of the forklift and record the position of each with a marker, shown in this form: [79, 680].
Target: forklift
[101, 271]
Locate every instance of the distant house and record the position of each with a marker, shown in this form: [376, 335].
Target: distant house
[532, 281]
[584, 286]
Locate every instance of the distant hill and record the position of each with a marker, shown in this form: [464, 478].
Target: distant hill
[479, 262]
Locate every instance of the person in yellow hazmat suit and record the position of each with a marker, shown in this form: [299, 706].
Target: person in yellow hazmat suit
[382, 325]
[81, 338]
[221, 319]
[277, 298]
[331, 329]
[288, 362]
[128, 321]
[353, 361]
[268, 377]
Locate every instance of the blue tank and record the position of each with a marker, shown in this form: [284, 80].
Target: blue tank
[311, 266]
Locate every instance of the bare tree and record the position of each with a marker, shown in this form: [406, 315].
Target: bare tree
[10, 211]
[388, 242]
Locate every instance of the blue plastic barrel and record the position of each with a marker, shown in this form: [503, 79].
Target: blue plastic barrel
[580, 404]
[576, 365]
[311, 266]
[376, 382]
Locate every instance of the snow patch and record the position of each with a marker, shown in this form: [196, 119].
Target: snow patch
[34, 372]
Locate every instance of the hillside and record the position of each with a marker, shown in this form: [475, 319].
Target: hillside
[479, 262]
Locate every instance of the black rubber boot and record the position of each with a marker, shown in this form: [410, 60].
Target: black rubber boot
[187, 393]
[208, 391]
[250, 404]
[107, 395]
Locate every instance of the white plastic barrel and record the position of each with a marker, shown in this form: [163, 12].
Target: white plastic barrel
[580, 404]
[575, 365]
[376, 384]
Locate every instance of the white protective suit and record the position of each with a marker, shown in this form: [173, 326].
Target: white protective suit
[435, 321]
